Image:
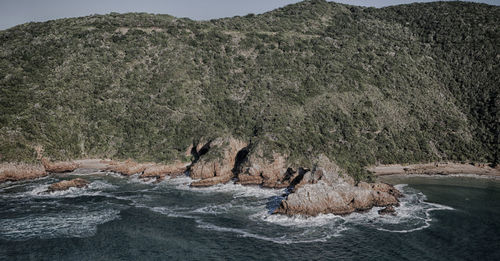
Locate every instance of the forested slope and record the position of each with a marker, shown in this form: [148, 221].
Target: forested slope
[409, 83]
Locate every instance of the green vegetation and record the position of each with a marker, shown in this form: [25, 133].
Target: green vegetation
[409, 83]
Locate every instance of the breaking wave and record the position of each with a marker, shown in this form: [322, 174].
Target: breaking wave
[77, 223]
[413, 214]
[228, 208]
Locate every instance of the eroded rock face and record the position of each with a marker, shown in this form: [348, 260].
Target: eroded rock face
[325, 190]
[66, 184]
[160, 171]
[16, 172]
[128, 167]
[59, 167]
[271, 174]
[217, 169]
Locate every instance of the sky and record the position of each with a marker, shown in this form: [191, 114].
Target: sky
[14, 12]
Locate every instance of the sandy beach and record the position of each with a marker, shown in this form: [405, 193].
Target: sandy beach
[441, 168]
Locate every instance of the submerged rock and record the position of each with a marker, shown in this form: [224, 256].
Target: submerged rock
[324, 190]
[18, 171]
[60, 166]
[389, 210]
[66, 184]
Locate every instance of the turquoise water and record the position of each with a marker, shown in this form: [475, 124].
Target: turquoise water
[118, 218]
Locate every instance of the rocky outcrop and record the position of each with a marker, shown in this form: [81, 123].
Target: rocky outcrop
[17, 171]
[66, 184]
[272, 173]
[326, 190]
[160, 171]
[128, 167]
[216, 166]
[60, 166]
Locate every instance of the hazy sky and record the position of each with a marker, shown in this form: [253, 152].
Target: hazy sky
[14, 12]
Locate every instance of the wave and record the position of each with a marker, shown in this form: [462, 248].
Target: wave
[282, 239]
[95, 188]
[237, 190]
[170, 212]
[247, 208]
[214, 209]
[55, 225]
[298, 220]
[413, 214]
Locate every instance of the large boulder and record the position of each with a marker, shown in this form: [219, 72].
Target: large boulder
[314, 199]
[66, 184]
[326, 190]
[160, 171]
[128, 168]
[60, 166]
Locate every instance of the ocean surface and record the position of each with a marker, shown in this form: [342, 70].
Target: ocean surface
[119, 218]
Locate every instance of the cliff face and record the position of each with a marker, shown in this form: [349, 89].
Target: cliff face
[219, 167]
[359, 85]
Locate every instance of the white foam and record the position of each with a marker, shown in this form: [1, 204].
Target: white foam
[213, 209]
[298, 220]
[114, 175]
[41, 191]
[237, 190]
[62, 224]
[281, 239]
[101, 185]
[169, 212]
[135, 179]
[181, 182]
[413, 214]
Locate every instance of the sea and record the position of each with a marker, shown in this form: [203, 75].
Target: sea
[125, 218]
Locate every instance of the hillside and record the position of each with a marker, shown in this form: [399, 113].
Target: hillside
[403, 84]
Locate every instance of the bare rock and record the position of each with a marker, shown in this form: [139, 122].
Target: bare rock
[387, 188]
[128, 167]
[19, 171]
[219, 168]
[381, 187]
[269, 173]
[314, 199]
[159, 171]
[327, 190]
[247, 179]
[211, 181]
[60, 166]
[205, 169]
[66, 184]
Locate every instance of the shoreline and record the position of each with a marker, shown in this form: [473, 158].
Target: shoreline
[320, 190]
[433, 169]
[443, 169]
[389, 178]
